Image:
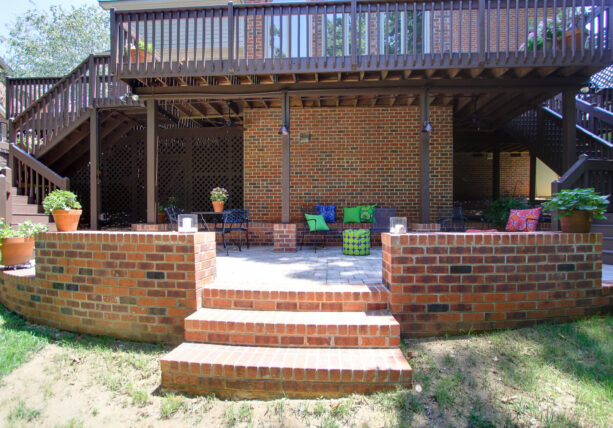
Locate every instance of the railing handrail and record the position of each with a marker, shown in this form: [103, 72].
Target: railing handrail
[33, 163]
[580, 128]
[50, 91]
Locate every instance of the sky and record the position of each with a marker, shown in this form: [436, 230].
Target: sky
[11, 9]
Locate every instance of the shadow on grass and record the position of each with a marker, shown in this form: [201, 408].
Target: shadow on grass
[15, 324]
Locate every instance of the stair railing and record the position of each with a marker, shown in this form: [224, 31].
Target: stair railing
[32, 178]
[6, 203]
[56, 112]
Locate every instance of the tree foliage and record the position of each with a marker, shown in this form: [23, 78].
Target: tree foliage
[52, 42]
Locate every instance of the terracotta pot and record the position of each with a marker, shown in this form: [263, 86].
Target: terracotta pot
[66, 220]
[569, 39]
[17, 251]
[139, 55]
[218, 206]
[577, 222]
[161, 217]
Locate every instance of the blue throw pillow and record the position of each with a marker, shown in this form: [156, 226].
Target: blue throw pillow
[328, 212]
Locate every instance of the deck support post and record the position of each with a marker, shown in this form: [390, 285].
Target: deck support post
[496, 172]
[285, 160]
[151, 161]
[94, 168]
[424, 154]
[569, 130]
[532, 177]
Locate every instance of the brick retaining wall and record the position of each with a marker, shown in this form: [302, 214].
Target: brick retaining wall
[137, 286]
[455, 282]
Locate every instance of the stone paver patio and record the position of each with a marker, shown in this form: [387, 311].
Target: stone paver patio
[262, 266]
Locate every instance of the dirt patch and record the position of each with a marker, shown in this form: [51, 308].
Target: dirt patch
[546, 376]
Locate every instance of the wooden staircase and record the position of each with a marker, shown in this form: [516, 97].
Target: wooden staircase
[22, 210]
[605, 227]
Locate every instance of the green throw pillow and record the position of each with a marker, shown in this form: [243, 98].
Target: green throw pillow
[351, 215]
[367, 213]
[316, 222]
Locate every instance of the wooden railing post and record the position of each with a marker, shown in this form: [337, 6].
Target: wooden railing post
[481, 32]
[6, 204]
[231, 36]
[354, 36]
[113, 26]
[92, 81]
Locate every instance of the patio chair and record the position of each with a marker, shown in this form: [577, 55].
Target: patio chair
[382, 217]
[173, 217]
[306, 229]
[453, 221]
[236, 220]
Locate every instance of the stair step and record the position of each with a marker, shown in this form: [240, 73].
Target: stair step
[608, 220]
[607, 243]
[19, 199]
[327, 298]
[26, 209]
[607, 257]
[265, 372]
[605, 229]
[296, 329]
[34, 218]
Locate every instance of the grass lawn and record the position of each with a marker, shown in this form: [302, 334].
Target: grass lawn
[550, 375]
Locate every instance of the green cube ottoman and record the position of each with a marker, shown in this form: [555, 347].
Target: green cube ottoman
[356, 242]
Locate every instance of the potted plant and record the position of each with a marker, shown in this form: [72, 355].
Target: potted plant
[142, 53]
[65, 208]
[18, 245]
[577, 207]
[162, 215]
[219, 196]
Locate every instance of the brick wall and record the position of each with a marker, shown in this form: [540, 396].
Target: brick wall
[455, 283]
[354, 156]
[137, 286]
[473, 175]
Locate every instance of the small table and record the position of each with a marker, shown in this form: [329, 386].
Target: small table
[356, 242]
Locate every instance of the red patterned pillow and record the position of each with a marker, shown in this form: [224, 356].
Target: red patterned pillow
[524, 220]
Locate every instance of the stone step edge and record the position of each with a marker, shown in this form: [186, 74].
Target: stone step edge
[232, 371]
[334, 298]
[377, 329]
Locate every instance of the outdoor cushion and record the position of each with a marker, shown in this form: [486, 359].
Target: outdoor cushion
[356, 242]
[328, 212]
[524, 220]
[367, 213]
[318, 224]
[351, 215]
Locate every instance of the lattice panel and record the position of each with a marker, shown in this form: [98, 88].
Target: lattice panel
[189, 166]
[79, 184]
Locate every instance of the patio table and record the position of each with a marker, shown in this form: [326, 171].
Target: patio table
[202, 218]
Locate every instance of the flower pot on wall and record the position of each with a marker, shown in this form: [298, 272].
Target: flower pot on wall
[66, 220]
[218, 206]
[17, 251]
[576, 222]
[139, 55]
[161, 217]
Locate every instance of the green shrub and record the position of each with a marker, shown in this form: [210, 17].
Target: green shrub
[498, 211]
[570, 200]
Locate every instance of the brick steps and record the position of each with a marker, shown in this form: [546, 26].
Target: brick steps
[325, 298]
[264, 372]
[296, 329]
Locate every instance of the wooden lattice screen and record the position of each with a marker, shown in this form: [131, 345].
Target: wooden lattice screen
[190, 163]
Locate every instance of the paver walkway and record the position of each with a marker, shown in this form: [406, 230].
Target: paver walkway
[262, 266]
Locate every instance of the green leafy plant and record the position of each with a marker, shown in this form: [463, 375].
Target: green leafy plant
[498, 211]
[61, 200]
[24, 230]
[219, 194]
[570, 200]
[170, 203]
[141, 47]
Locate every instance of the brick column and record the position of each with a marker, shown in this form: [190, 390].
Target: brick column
[285, 238]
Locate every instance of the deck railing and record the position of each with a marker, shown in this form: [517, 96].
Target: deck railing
[23, 91]
[359, 35]
[90, 84]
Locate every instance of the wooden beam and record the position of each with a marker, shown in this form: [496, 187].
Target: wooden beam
[424, 152]
[94, 169]
[285, 161]
[569, 129]
[496, 171]
[151, 161]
